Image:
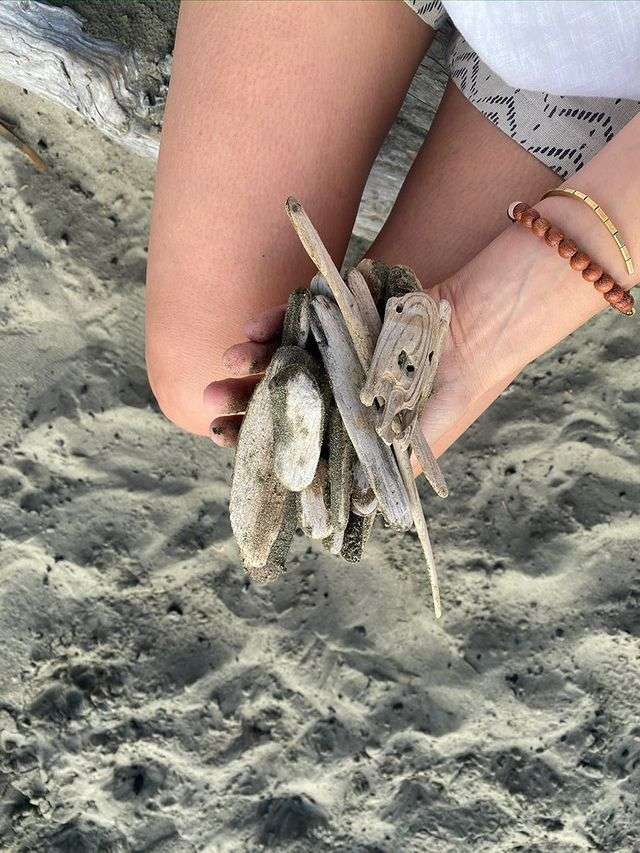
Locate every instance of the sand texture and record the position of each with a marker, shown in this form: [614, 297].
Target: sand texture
[150, 701]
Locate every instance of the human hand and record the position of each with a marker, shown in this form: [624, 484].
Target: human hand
[227, 399]
[460, 394]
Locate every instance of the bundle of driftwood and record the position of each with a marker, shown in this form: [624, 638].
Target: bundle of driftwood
[326, 441]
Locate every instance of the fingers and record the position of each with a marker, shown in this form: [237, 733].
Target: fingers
[266, 326]
[228, 396]
[224, 431]
[248, 358]
[227, 399]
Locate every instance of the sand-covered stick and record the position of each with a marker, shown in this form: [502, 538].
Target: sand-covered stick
[315, 515]
[295, 327]
[356, 536]
[298, 414]
[341, 461]
[376, 274]
[275, 567]
[347, 378]
[319, 286]
[363, 498]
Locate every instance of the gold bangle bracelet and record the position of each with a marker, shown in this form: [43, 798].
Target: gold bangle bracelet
[602, 216]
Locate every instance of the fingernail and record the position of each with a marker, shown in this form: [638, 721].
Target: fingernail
[224, 433]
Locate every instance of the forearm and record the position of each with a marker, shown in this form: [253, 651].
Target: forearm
[518, 298]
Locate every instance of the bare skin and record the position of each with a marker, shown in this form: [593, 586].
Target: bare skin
[512, 297]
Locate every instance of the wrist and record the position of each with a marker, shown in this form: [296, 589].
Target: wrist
[518, 298]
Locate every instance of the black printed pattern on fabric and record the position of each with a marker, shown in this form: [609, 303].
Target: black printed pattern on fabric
[562, 132]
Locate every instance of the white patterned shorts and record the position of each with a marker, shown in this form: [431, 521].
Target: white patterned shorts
[563, 132]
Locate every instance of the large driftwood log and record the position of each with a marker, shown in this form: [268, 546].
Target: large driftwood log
[43, 49]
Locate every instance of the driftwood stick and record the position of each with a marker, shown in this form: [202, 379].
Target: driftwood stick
[404, 463]
[295, 327]
[315, 515]
[363, 498]
[27, 150]
[347, 377]
[317, 251]
[428, 462]
[341, 461]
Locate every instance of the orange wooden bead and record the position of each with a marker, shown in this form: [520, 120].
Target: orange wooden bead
[553, 237]
[625, 305]
[529, 217]
[592, 272]
[540, 226]
[580, 261]
[518, 210]
[604, 283]
[615, 294]
[567, 248]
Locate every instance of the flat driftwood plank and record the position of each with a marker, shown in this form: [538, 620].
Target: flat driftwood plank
[298, 415]
[347, 378]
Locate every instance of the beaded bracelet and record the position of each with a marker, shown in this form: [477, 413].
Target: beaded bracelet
[606, 220]
[579, 261]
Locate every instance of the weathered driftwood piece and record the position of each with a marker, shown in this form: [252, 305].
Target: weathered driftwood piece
[298, 416]
[275, 568]
[376, 274]
[347, 378]
[365, 306]
[428, 462]
[315, 515]
[258, 498]
[402, 280]
[295, 327]
[363, 343]
[319, 286]
[356, 536]
[363, 498]
[341, 461]
[43, 48]
[406, 358]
